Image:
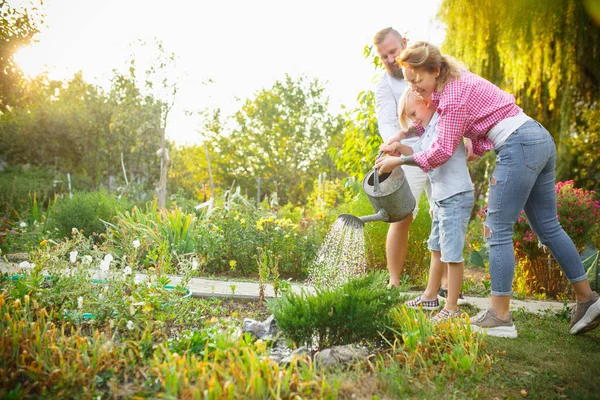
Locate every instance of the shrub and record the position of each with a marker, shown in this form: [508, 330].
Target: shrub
[350, 313]
[579, 215]
[225, 241]
[85, 211]
[228, 240]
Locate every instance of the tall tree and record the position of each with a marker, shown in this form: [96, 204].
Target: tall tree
[545, 52]
[281, 136]
[18, 28]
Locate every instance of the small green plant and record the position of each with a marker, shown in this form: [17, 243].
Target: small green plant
[356, 311]
[268, 269]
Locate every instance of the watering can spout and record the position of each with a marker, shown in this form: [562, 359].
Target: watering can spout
[359, 222]
[381, 215]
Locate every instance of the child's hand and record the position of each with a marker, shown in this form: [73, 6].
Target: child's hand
[387, 164]
[396, 149]
[391, 149]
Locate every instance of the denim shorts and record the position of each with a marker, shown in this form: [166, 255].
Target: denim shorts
[449, 226]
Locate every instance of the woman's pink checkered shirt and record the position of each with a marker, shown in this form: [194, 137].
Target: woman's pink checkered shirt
[469, 107]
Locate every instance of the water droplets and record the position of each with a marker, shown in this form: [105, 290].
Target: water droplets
[341, 257]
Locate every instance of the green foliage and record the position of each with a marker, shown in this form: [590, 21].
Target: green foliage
[360, 137]
[236, 235]
[579, 158]
[281, 137]
[226, 241]
[18, 29]
[544, 52]
[592, 269]
[579, 215]
[18, 185]
[86, 211]
[351, 313]
[93, 358]
[189, 172]
[424, 356]
[361, 140]
[80, 128]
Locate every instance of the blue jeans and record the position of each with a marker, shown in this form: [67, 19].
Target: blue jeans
[449, 226]
[524, 180]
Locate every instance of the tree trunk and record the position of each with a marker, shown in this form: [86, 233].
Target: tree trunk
[164, 163]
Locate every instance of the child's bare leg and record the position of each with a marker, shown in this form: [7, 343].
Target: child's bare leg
[436, 270]
[445, 279]
[455, 278]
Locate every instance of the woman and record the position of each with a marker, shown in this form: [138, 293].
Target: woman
[471, 107]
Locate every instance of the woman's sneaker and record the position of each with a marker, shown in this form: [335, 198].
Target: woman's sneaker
[586, 315]
[443, 293]
[445, 315]
[488, 320]
[423, 304]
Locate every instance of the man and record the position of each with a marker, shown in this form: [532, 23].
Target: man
[389, 43]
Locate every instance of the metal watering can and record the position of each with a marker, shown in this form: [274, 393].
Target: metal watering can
[390, 196]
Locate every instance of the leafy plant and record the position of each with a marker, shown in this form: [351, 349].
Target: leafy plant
[350, 313]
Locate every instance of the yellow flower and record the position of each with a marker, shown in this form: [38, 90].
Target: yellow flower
[232, 264]
[242, 221]
[43, 242]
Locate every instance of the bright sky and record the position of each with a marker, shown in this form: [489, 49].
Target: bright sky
[243, 46]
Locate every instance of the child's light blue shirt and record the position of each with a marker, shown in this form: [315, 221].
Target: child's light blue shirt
[453, 176]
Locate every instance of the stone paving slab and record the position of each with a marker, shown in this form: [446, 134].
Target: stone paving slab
[202, 287]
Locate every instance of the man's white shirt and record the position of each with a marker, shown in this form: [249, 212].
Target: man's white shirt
[387, 93]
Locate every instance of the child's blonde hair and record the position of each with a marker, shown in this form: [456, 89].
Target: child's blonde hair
[405, 122]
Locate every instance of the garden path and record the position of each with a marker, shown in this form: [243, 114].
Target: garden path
[249, 290]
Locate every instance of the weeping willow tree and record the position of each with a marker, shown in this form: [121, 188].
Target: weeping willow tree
[545, 52]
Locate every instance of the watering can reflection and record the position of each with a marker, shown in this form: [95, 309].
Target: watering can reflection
[389, 194]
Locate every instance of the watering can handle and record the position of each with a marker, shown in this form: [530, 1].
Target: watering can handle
[376, 175]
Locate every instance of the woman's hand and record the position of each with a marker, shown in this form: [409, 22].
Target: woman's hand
[469, 150]
[387, 164]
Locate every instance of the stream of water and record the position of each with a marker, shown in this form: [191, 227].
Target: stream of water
[341, 256]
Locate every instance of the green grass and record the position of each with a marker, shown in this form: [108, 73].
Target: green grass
[545, 360]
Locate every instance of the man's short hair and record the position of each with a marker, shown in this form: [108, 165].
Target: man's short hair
[382, 34]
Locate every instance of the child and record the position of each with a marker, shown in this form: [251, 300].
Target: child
[452, 197]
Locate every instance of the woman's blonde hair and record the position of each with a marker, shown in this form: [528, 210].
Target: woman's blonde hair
[425, 56]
